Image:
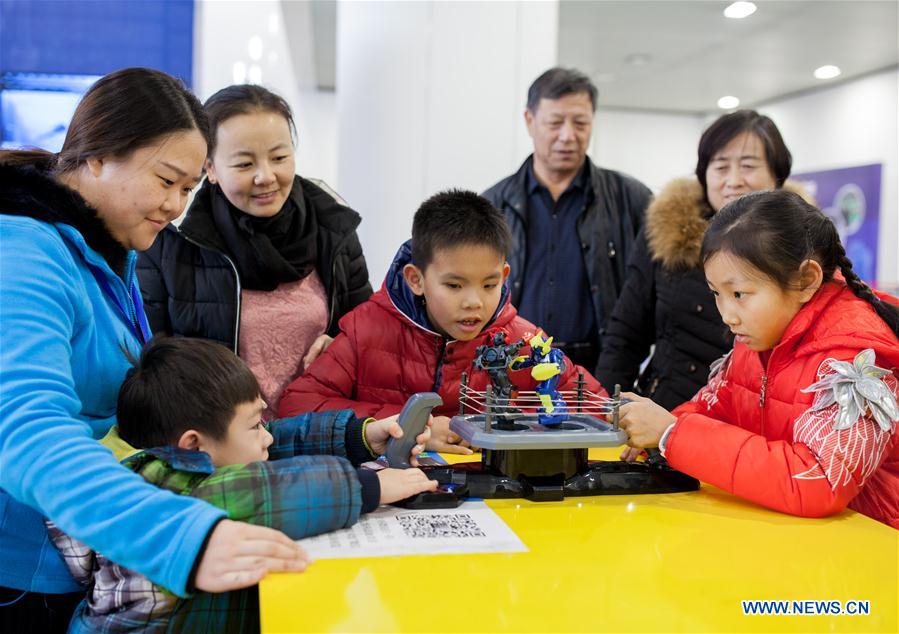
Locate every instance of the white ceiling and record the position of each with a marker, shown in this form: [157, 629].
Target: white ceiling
[696, 55]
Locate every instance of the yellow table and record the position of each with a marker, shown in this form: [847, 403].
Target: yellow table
[674, 562]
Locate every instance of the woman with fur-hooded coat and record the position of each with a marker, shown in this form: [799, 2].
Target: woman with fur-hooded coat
[665, 301]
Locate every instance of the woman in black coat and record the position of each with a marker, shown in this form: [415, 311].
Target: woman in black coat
[665, 301]
[265, 262]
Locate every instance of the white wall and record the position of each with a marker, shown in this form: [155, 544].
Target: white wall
[851, 124]
[652, 147]
[431, 95]
[247, 41]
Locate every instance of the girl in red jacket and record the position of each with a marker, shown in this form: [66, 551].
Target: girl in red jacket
[801, 415]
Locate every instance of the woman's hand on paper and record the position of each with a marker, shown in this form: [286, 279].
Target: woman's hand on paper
[239, 555]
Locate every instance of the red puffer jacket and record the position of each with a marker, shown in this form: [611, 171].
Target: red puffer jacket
[754, 431]
[386, 352]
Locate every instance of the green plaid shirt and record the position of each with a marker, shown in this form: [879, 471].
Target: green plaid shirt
[305, 488]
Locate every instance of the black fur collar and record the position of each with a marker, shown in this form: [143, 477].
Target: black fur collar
[29, 190]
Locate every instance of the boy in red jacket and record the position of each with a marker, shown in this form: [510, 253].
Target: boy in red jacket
[420, 331]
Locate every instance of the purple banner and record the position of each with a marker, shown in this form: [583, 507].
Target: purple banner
[850, 196]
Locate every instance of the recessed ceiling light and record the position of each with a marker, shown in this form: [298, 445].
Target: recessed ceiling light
[254, 48]
[739, 10]
[728, 103]
[827, 72]
[239, 72]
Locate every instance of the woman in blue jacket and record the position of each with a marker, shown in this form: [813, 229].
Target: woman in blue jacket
[70, 226]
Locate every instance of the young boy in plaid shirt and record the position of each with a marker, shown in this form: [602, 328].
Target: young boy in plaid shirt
[189, 421]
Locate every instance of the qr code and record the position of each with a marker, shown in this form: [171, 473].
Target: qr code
[431, 526]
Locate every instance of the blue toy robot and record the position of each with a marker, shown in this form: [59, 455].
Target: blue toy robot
[546, 365]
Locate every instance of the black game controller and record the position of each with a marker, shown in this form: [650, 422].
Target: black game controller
[446, 496]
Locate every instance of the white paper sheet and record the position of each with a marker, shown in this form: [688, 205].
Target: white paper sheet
[471, 528]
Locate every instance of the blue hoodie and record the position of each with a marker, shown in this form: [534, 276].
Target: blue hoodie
[61, 366]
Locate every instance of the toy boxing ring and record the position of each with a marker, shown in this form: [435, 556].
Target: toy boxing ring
[520, 457]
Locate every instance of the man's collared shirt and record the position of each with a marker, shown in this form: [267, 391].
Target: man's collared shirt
[555, 292]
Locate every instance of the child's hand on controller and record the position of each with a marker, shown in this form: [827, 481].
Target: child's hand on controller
[643, 420]
[632, 454]
[399, 484]
[378, 432]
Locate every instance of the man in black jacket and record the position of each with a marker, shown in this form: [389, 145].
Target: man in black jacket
[572, 222]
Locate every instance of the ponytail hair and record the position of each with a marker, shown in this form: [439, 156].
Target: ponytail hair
[776, 231]
[41, 159]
